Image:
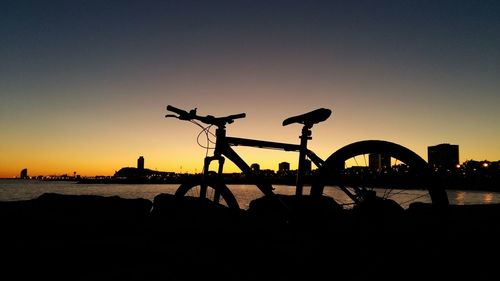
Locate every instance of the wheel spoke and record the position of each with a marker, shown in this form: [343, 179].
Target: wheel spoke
[216, 193]
[356, 161]
[411, 171]
[413, 199]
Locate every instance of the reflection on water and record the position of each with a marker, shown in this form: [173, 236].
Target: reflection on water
[11, 190]
[470, 197]
[488, 198]
[460, 198]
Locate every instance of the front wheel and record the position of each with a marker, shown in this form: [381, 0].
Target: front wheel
[216, 192]
[381, 169]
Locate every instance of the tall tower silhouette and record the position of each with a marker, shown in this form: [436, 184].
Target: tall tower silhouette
[24, 174]
[377, 162]
[140, 163]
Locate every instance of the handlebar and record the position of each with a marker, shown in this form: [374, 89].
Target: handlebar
[176, 110]
[209, 119]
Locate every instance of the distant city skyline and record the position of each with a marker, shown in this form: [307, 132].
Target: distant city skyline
[445, 156]
[84, 84]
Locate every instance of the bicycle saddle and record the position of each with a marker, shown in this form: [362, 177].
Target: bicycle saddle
[310, 118]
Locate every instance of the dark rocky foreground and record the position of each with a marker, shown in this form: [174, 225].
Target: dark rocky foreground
[110, 238]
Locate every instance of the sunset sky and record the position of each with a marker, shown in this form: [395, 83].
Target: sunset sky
[84, 84]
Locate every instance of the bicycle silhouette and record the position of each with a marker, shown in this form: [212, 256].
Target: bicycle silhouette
[330, 172]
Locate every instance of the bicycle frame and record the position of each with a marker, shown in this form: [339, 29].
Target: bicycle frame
[223, 148]
[329, 170]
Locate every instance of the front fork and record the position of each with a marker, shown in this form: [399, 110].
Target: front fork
[206, 176]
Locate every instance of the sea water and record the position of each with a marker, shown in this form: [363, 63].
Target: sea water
[16, 189]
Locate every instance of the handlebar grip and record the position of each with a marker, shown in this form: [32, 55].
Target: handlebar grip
[176, 110]
[237, 116]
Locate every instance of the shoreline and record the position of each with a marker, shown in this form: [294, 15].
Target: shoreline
[456, 187]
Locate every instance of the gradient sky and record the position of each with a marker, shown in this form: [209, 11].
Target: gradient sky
[84, 84]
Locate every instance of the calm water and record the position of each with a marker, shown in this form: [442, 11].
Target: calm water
[11, 190]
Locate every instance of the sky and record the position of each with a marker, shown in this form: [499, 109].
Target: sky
[84, 84]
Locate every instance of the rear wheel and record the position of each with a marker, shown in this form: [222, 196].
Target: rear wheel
[218, 193]
[379, 169]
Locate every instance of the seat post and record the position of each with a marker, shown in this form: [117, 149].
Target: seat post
[304, 137]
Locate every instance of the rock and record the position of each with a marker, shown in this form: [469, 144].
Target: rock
[190, 212]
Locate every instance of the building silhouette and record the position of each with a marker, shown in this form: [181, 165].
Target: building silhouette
[140, 173]
[140, 163]
[443, 156]
[255, 167]
[24, 174]
[283, 167]
[377, 162]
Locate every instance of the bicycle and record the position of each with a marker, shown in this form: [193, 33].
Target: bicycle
[330, 172]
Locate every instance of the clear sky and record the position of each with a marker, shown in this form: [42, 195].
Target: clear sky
[84, 84]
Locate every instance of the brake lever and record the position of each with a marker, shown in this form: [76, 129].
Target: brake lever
[171, 115]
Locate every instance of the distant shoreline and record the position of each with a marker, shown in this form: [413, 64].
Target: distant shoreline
[290, 182]
[448, 185]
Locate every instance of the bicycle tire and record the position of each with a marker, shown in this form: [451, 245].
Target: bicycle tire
[333, 171]
[190, 189]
